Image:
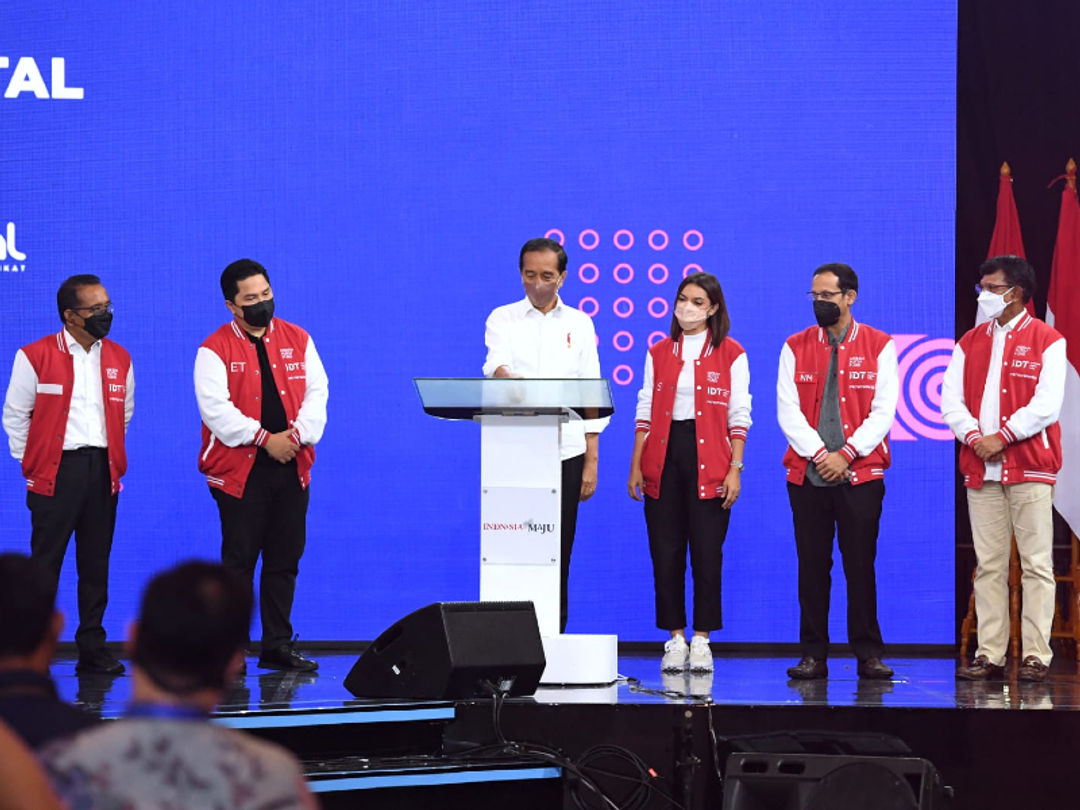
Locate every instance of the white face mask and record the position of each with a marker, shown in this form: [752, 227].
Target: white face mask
[689, 316]
[991, 304]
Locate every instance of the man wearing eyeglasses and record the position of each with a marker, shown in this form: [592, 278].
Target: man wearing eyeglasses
[836, 394]
[67, 409]
[1001, 395]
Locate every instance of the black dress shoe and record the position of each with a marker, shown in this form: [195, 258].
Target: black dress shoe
[809, 669]
[875, 669]
[99, 661]
[980, 670]
[286, 658]
[1032, 670]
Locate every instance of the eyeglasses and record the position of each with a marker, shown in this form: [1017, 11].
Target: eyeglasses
[96, 309]
[824, 296]
[996, 289]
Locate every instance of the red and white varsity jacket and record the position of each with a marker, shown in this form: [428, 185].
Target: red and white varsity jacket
[1031, 392]
[53, 365]
[868, 387]
[712, 400]
[228, 388]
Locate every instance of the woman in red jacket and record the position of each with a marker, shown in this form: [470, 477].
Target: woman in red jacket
[692, 416]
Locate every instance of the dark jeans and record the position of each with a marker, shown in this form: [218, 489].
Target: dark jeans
[572, 471]
[677, 519]
[82, 502]
[851, 514]
[271, 519]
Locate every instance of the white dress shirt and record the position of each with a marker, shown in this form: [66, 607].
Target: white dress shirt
[738, 404]
[1041, 412]
[559, 344]
[86, 414]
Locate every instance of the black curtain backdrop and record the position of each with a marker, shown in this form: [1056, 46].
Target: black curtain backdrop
[1018, 100]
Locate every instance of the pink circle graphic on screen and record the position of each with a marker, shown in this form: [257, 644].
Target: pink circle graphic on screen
[655, 337]
[691, 268]
[624, 273]
[623, 239]
[921, 369]
[693, 240]
[655, 273]
[588, 239]
[656, 236]
[623, 341]
[623, 307]
[658, 307]
[592, 269]
[622, 375]
[561, 238]
[589, 305]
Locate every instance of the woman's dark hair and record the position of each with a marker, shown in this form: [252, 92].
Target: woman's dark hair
[1018, 273]
[719, 323]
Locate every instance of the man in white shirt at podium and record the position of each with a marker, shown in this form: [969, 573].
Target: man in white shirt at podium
[542, 337]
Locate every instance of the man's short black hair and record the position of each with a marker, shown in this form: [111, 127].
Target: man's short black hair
[1018, 273]
[67, 297]
[192, 620]
[845, 276]
[236, 272]
[539, 244]
[27, 604]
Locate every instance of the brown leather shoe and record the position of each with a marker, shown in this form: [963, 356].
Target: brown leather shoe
[1032, 670]
[809, 669]
[875, 669]
[980, 670]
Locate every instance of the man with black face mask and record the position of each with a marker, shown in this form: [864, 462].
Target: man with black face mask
[67, 409]
[836, 395]
[262, 393]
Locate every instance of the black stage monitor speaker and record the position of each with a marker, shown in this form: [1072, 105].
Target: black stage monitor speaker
[830, 782]
[448, 649]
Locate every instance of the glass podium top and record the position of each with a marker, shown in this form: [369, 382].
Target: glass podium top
[467, 397]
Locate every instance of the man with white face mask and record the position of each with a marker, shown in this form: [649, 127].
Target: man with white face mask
[1001, 395]
[540, 336]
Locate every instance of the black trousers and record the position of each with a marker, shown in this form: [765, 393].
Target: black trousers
[851, 514]
[677, 519]
[270, 519]
[572, 471]
[82, 502]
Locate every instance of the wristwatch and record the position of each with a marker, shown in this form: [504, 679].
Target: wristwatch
[738, 465]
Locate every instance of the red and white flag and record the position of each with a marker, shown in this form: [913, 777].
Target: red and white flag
[1006, 239]
[1063, 313]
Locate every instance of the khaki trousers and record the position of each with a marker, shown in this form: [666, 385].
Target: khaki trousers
[998, 512]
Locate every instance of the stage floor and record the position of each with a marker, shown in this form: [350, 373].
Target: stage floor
[919, 683]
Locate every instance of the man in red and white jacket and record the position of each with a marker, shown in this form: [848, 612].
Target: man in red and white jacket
[836, 394]
[1002, 395]
[67, 409]
[262, 393]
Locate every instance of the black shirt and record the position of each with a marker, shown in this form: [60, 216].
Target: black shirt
[28, 703]
[272, 418]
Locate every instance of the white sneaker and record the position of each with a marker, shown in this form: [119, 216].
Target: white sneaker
[700, 655]
[676, 654]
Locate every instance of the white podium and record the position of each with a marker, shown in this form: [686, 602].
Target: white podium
[520, 502]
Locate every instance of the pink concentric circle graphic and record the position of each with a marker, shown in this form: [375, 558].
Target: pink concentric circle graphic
[656, 236]
[922, 362]
[691, 268]
[693, 240]
[624, 273]
[658, 307]
[622, 341]
[557, 235]
[623, 307]
[658, 273]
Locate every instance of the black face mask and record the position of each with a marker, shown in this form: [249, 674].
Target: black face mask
[259, 315]
[97, 325]
[827, 313]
